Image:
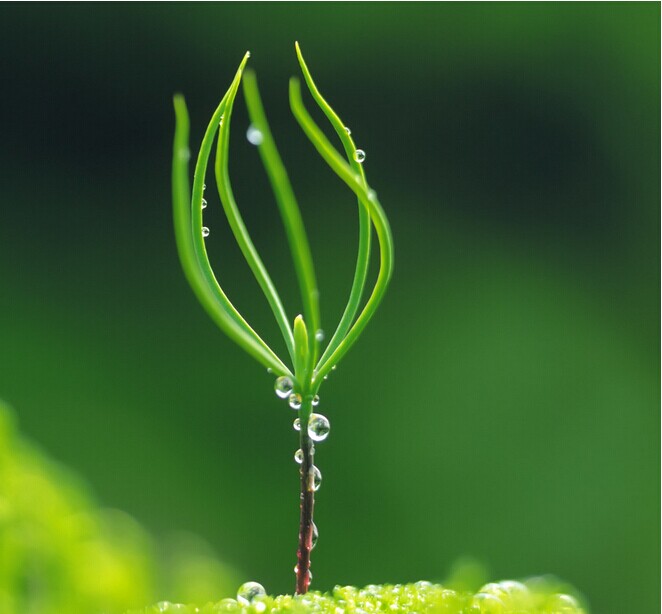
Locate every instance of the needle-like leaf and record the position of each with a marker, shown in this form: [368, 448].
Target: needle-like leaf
[368, 199]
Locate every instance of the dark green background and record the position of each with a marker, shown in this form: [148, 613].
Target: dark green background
[504, 402]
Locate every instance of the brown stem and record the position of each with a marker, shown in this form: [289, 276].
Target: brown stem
[307, 502]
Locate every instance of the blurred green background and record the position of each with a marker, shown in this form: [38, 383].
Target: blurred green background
[503, 404]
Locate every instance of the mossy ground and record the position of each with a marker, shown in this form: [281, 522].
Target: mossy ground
[537, 596]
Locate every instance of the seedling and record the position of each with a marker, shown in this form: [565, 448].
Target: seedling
[310, 359]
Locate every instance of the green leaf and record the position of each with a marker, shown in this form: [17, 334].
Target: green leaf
[368, 198]
[187, 210]
[289, 211]
[363, 257]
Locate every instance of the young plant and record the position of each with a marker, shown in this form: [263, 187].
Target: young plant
[310, 361]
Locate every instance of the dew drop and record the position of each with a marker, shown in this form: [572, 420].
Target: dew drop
[249, 591]
[347, 130]
[298, 456]
[318, 427]
[254, 136]
[316, 400]
[359, 156]
[487, 604]
[283, 387]
[296, 425]
[310, 573]
[563, 604]
[372, 195]
[204, 203]
[295, 401]
[248, 54]
[269, 370]
[204, 187]
[315, 537]
[220, 121]
[226, 605]
[205, 232]
[317, 479]
[319, 335]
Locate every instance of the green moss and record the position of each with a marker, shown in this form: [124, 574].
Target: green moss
[536, 596]
[61, 554]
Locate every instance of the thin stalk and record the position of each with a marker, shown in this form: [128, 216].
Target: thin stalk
[307, 499]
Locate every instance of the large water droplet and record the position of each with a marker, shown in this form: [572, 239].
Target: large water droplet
[316, 400]
[249, 591]
[487, 604]
[283, 387]
[295, 401]
[317, 478]
[298, 456]
[204, 203]
[254, 136]
[315, 536]
[359, 156]
[318, 427]
[562, 604]
[296, 425]
[347, 130]
[319, 335]
[205, 232]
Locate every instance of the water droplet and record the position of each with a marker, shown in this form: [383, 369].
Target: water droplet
[248, 54]
[254, 136]
[316, 400]
[319, 335]
[205, 232]
[226, 605]
[334, 367]
[270, 370]
[249, 591]
[372, 194]
[298, 456]
[562, 604]
[487, 604]
[317, 479]
[296, 425]
[204, 203]
[326, 377]
[347, 130]
[318, 427]
[359, 156]
[315, 537]
[204, 187]
[283, 387]
[310, 573]
[295, 401]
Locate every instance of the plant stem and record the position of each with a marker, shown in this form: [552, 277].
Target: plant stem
[307, 499]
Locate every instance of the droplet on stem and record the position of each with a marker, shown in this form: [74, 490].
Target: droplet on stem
[359, 156]
[318, 427]
[295, 401]
[283, 386]
[205, 232]
[316, 400]
[204, 203]
[298, 456]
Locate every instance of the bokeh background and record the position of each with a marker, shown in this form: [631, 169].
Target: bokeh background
[503, 404]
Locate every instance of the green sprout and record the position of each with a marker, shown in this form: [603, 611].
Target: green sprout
[310, 362]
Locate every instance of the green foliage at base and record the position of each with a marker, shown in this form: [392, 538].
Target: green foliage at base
[61, 554]
[535, 596]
